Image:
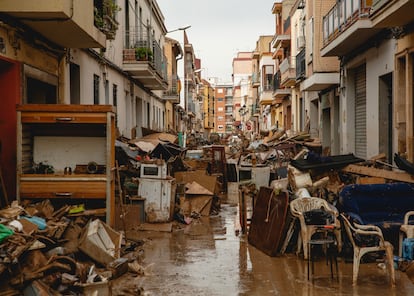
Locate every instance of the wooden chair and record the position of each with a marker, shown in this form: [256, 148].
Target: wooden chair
[353, 230]
[406, 230]
[301, 205]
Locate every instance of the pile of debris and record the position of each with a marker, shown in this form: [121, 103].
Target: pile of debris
[47, 251]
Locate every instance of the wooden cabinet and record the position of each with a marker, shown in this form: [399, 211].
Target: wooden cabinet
[55, 144]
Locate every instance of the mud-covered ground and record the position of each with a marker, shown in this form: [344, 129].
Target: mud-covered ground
[208, 258]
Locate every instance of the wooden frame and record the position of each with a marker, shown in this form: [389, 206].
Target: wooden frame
[77, 123]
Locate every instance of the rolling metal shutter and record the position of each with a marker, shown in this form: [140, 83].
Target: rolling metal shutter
[360, 112]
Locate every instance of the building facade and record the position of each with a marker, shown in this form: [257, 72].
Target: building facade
[86, 52]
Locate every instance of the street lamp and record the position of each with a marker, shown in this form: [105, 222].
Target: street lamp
[180, 29]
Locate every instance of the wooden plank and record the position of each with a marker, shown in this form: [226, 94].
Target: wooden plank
[370, 180]
[163, 227]
[374, 172]
[65, 108]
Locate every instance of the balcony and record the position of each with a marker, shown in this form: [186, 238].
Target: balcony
[279, 92]
[301, 65]
[391, 13]
[346, 27]
[281, 41]
[172, 94]
[288, 72]
[144, 60]
[320, 81]
[255, 110]
[255, 80]
[67, 23]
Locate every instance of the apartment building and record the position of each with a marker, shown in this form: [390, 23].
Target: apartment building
[319, 77]
[83, 52]
[223, 94]
[281, 109]
[173, 52]
[262, 85]
[372, 41]
[242, 89]
[207, 104]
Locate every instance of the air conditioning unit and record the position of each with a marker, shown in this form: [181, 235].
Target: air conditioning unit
[300, 42]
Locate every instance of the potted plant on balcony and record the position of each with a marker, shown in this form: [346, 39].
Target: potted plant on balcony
[143, 54]
[105, 18]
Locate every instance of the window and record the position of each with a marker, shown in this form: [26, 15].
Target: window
[96, 89]
[268, 77]
[220, 109]
[74, 84]
[220, 99]
[40, 87]
[39, 92]
[115, 94]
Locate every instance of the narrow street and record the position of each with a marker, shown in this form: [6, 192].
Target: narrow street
[208, 258]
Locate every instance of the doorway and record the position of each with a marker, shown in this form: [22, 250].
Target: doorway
[10, 80]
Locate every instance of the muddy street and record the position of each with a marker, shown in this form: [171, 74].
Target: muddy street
[208, 258]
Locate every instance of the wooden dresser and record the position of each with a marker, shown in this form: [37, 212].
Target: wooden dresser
[66, 153]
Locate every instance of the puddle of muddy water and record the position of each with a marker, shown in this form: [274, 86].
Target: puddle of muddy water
[208, 258]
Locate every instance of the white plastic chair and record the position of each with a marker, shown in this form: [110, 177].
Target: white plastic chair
[360, 251]
[406, 230]
[301, 205]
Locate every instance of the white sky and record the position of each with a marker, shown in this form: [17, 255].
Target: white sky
[219, 29]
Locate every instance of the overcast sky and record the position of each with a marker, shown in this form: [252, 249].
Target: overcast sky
[219, 29]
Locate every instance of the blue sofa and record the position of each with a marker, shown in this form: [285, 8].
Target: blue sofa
[383, 205]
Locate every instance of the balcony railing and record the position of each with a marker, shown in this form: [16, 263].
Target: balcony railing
[300, 65]
[172, 93]
[343, 15]
[255, 109]
[141, 50]
[288, 72]
[276, 81]
[256, 79]
[286, 24]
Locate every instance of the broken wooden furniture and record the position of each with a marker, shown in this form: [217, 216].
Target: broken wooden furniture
[54, 138]
[406, 230]
[300, 206]
[267, 224]
[356, 234]
[383, 205]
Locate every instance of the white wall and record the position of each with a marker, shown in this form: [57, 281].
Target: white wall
[379, 61]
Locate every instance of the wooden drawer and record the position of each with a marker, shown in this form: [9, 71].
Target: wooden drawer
[93, 188]
[63, 117]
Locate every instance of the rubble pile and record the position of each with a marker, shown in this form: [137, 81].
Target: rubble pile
[68, 249]
[48, 251]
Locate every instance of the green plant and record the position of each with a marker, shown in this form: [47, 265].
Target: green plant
[143, 53]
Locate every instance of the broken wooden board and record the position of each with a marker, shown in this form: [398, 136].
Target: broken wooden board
[380, 173]
[130, 216]
[200, 204]
[162, 227]
[370, 180]
[268, 220]
[199, 176]
[195, 188]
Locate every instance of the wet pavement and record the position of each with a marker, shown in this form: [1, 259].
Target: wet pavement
[208, 258]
